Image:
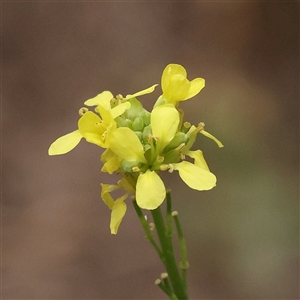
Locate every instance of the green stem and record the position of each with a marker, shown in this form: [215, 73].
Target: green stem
[183, 252]
[166, 290]
[147, 230]
[168, 255]
[169, 214]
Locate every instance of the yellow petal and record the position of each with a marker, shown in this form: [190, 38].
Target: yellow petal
[164, 124]
[125, 143]
[103, 99]
[127, 184]
[105, 114]
[117, 214]
[111, 161]
[177, 89]
[121, 108]
[168, 72]
[199, 159]
[143, 92]
[195, 177]
[91, 127]
[196, 86]
[65, 143]
[106, 189]
[150, 190]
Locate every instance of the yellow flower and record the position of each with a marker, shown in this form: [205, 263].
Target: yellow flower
[93, 128]
[90, 126]
[176, 87]
[118, 207]
[150, 189]
[139, 144]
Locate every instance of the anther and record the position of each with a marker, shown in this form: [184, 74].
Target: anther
[160, 158]
[135, 169]
[164, 167]
[201, 126]
[171, 168]
[119, 97]
[187, 125]
[82, 111]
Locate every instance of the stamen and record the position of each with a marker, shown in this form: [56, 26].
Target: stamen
[119, 97]
[103, 136]
[186, 126]
[201, 126]
[171, 168]
[151, 138]
[164, 167]
[179, 148]
[113, 102]
[136, 169]
[82, 111]
[160, 158]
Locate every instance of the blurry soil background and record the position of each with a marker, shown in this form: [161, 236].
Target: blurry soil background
[242, 236]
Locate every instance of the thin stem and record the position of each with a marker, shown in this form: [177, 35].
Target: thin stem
[168, 255]
[147, 230]
[165, 289]
[169, 214]
[183, 251]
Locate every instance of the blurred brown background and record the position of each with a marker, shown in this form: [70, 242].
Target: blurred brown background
[242, 236]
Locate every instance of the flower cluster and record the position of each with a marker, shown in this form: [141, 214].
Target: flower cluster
[139, 144]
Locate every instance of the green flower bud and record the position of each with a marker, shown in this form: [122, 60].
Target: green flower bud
[121, 122]
[138, 124]
[128, 123]
[146, 117]
[140, 135]
[146, 133]
[136, 109]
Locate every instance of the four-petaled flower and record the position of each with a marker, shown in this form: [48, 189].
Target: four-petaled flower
[176, 87]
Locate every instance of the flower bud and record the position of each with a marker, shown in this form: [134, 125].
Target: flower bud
[138, 124]
[146, 117]
[146, 133]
